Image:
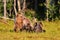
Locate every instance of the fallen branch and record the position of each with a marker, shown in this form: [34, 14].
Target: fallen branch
[2, 21]
[6, 18]
[5, 22]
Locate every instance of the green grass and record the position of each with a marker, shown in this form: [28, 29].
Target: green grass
[52, 32]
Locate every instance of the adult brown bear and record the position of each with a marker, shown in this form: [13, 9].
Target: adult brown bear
[18, 22]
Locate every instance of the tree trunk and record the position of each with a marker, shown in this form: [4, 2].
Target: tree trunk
[10, 12]
[47, 16]
[4, 8]
[19, 7]
[22, 11]
[15, 7]
[24, 6]
[59, 10]
[47, 5]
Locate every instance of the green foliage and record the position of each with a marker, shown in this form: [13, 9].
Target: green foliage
[30, 14]
[1, 9]
[40, 13]
[9, 4]
[58, 2]
[53, 12]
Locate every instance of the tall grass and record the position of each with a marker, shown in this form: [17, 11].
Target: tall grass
[52, 32]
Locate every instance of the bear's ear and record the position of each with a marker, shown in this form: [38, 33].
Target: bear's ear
[17, 15]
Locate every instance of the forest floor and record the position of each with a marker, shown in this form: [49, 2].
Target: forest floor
[52, 32]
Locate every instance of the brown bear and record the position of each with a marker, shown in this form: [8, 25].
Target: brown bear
[38, 27]
[18, 22]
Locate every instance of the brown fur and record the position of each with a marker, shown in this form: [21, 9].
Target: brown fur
[26, 24]
[38, 27]
[19, 22]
